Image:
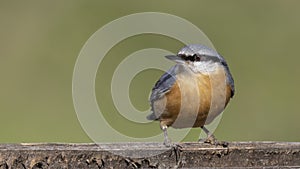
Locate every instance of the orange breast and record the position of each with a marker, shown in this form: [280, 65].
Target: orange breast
[195, 100]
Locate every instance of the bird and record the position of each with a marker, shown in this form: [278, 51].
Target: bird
[193, 92]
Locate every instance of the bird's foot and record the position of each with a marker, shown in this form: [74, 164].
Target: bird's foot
[211, 139]
[168, 143]
[176, 150]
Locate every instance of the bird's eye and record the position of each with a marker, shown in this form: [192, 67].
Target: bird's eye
[191, 58]
[196, 57]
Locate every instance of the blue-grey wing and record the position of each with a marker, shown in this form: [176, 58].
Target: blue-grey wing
[229, 79]
[162, 86]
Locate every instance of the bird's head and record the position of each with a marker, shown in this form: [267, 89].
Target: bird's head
[198, 57]
[196, 53]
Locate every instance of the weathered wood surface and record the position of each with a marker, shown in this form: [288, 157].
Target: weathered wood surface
[138, 155]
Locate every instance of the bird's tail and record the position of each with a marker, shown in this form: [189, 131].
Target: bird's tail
[151, 117]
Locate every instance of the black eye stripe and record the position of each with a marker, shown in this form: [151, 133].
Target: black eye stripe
[192, 58]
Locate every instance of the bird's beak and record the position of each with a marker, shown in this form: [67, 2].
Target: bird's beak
[175, 58]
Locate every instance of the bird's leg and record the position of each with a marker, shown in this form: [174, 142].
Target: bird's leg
[211, 139]
[176, 148]
[167, 141]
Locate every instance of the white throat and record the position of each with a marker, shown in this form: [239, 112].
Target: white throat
[203, 67]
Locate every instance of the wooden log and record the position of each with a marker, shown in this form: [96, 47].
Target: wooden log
[150, 155]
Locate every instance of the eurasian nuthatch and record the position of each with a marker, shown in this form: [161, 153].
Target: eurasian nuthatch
[193, 92]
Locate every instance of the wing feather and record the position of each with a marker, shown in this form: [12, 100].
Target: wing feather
[161, 87]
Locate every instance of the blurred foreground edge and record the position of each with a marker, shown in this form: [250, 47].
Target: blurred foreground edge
[138, 155]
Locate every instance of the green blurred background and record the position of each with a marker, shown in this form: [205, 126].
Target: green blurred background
[40, 41]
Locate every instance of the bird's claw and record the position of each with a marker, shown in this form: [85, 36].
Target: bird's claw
[213, 141]
[168, 143]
